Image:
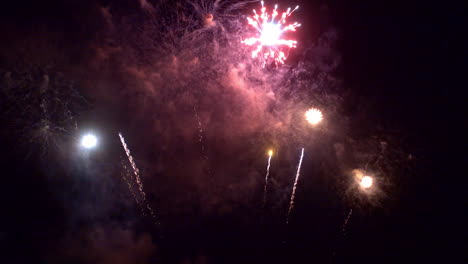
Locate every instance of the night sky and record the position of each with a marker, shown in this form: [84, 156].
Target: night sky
[199, 115]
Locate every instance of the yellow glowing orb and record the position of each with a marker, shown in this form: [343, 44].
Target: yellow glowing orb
[313, 116]
[366, 182]
[270, 152]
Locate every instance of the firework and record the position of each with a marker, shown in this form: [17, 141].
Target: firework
[89, 141]
[269, 42]
[136, 172]
[39, 106]
[202, 145]
[270, 153]
[366, 182]
[127, 177]
[291, 203]
[345, 222]
[200, 132]
[313, 116]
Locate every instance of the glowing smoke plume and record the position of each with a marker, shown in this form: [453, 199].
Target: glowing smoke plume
[270, 43]
[291, 203]
[136, 172]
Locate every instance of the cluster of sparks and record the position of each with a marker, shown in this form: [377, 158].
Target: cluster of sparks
[270, 43]
[136, 172]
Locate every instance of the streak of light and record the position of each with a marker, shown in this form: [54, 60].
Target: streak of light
[291, 203]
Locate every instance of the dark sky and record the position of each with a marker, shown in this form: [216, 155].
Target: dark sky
[384, 75]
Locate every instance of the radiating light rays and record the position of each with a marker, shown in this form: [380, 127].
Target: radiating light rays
[270, 154]
[269, 41]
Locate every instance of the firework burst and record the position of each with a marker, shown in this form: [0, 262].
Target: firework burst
[269, 42]
[313, 116]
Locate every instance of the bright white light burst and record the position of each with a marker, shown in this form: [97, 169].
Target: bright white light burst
[366, 182]
[269, 42]
[89, 141]
[313, 116]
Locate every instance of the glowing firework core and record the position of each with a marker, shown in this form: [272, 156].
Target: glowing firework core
[366, 182]
[270, 153]
[269, 43]
[270, 34]
[313, 116]
[89, 141]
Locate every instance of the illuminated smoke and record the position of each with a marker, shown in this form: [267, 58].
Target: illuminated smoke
[270, 153]
[269, 41]
[136, 172]
[291, 203]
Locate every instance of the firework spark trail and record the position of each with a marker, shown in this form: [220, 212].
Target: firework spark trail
[200, 132]
[200, 140]
[266, 178]
[136, 172]
[291, 204]
[269, 44]
[126, 176]
[345, 223]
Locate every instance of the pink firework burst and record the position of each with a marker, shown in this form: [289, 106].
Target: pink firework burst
[269, 43]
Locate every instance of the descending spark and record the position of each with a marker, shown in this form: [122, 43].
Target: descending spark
[270, 153]
[345, 223]
[269, 43]
[136, 172]
[126, 176]
[291, 203]
[200, 132]
[343, 229]
[363, 179]
[200, 140]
